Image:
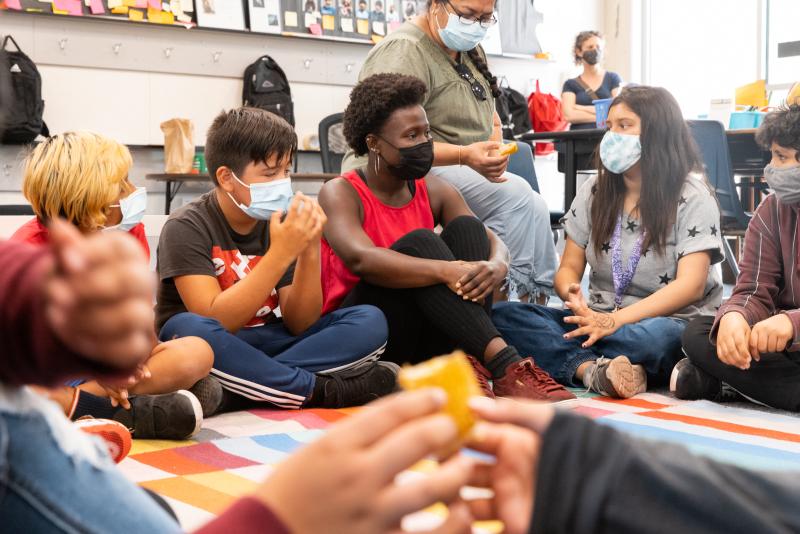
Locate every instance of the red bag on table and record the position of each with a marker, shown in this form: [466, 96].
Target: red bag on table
[546, 116]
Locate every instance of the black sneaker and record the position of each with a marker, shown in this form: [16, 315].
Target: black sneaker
[354, 387]
[617, 378]
[176, 416]
[208, 391]
[689, 382]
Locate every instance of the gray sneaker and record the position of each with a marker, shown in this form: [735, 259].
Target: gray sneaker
[208, 391]
[617, 378]
[175, 416]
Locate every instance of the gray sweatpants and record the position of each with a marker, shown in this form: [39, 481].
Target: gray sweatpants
[520, 217]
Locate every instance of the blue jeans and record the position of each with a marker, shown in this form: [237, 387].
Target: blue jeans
[538, 331]
[269, 364]
[44, 489]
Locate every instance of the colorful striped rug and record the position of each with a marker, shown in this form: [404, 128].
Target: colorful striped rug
[235, 451]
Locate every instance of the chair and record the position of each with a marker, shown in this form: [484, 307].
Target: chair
[332, 145]
[713, 143]
[16, 209]
[521, 164]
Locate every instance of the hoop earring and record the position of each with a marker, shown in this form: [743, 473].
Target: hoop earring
[377, 163]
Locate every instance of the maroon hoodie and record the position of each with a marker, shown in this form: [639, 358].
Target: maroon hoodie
[769, 281]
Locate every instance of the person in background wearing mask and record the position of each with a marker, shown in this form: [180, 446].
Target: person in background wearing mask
[83, 177]
[594, 83]
[752, 347]
[649, 228]
[251, 279]
[442, 48]
[380, 247]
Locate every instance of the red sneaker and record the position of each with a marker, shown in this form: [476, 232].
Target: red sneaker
[483, 375]
[527, 380]
[115, 435]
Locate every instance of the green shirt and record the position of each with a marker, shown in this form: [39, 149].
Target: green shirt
[455, 114]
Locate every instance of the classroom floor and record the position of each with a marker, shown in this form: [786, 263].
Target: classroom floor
[235, 451]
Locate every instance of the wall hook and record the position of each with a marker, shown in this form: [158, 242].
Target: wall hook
[349, 67]
[307, 63]
[62, 44]
[216, 56]
[116, 48]
[168, 53]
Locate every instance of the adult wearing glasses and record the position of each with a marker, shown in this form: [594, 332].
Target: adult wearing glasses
[442, 48]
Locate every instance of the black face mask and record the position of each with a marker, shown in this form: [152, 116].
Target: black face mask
[592, 57]
[415, 161]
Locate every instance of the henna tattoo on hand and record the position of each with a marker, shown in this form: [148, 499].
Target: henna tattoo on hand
[604, 320]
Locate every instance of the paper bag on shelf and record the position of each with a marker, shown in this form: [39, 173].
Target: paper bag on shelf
[178, 146]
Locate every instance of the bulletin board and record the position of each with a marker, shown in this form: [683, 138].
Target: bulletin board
[367, 21]
[783, 42]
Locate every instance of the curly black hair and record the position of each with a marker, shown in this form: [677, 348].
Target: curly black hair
[373, 101]
[781, 127]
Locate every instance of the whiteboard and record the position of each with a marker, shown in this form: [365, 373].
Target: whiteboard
[783, 42]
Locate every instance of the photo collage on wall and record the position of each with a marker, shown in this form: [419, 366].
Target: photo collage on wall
[355, 19]
[368, 20]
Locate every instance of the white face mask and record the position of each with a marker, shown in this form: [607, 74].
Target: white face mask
[133, 208]
[785, 183]
[265, 198]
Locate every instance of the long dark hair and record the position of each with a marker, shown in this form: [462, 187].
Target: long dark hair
[669, 154]
[478, 61]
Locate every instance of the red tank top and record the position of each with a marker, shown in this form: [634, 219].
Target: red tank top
[383, 224]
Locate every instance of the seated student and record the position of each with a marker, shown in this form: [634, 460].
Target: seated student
[253, 279]
[649, 229]
[380, 247]
[551, 472]
[752, 344]
[83, 177]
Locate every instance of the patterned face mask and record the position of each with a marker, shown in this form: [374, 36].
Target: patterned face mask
[620, 152]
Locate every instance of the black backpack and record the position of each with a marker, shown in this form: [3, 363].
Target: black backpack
[266, 87]
[513, 110]
[24, 107]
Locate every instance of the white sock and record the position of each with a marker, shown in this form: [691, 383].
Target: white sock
[587, 375]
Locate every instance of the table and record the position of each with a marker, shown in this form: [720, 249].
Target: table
[748, 160]
[747, 157]
[570, 138]
[174, 182]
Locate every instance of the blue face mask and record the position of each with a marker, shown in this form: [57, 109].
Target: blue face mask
[620, 152]
[461, 37]
[133, 208]
[266, 198]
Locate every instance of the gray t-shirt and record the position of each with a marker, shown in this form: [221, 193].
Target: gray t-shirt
[697, 229]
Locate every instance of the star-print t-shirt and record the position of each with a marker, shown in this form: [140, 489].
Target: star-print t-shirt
[197, 240]
[696, 230]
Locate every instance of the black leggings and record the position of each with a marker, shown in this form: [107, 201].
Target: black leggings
[432, 320]
[774, 381]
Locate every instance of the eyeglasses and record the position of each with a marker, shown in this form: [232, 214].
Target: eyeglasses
[485, 22]
[477, 88]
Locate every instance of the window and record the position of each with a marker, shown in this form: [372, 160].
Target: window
[702, 49]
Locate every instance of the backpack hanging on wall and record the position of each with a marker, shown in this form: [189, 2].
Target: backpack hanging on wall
[267, 87]
[25, 108]
[513, 110]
